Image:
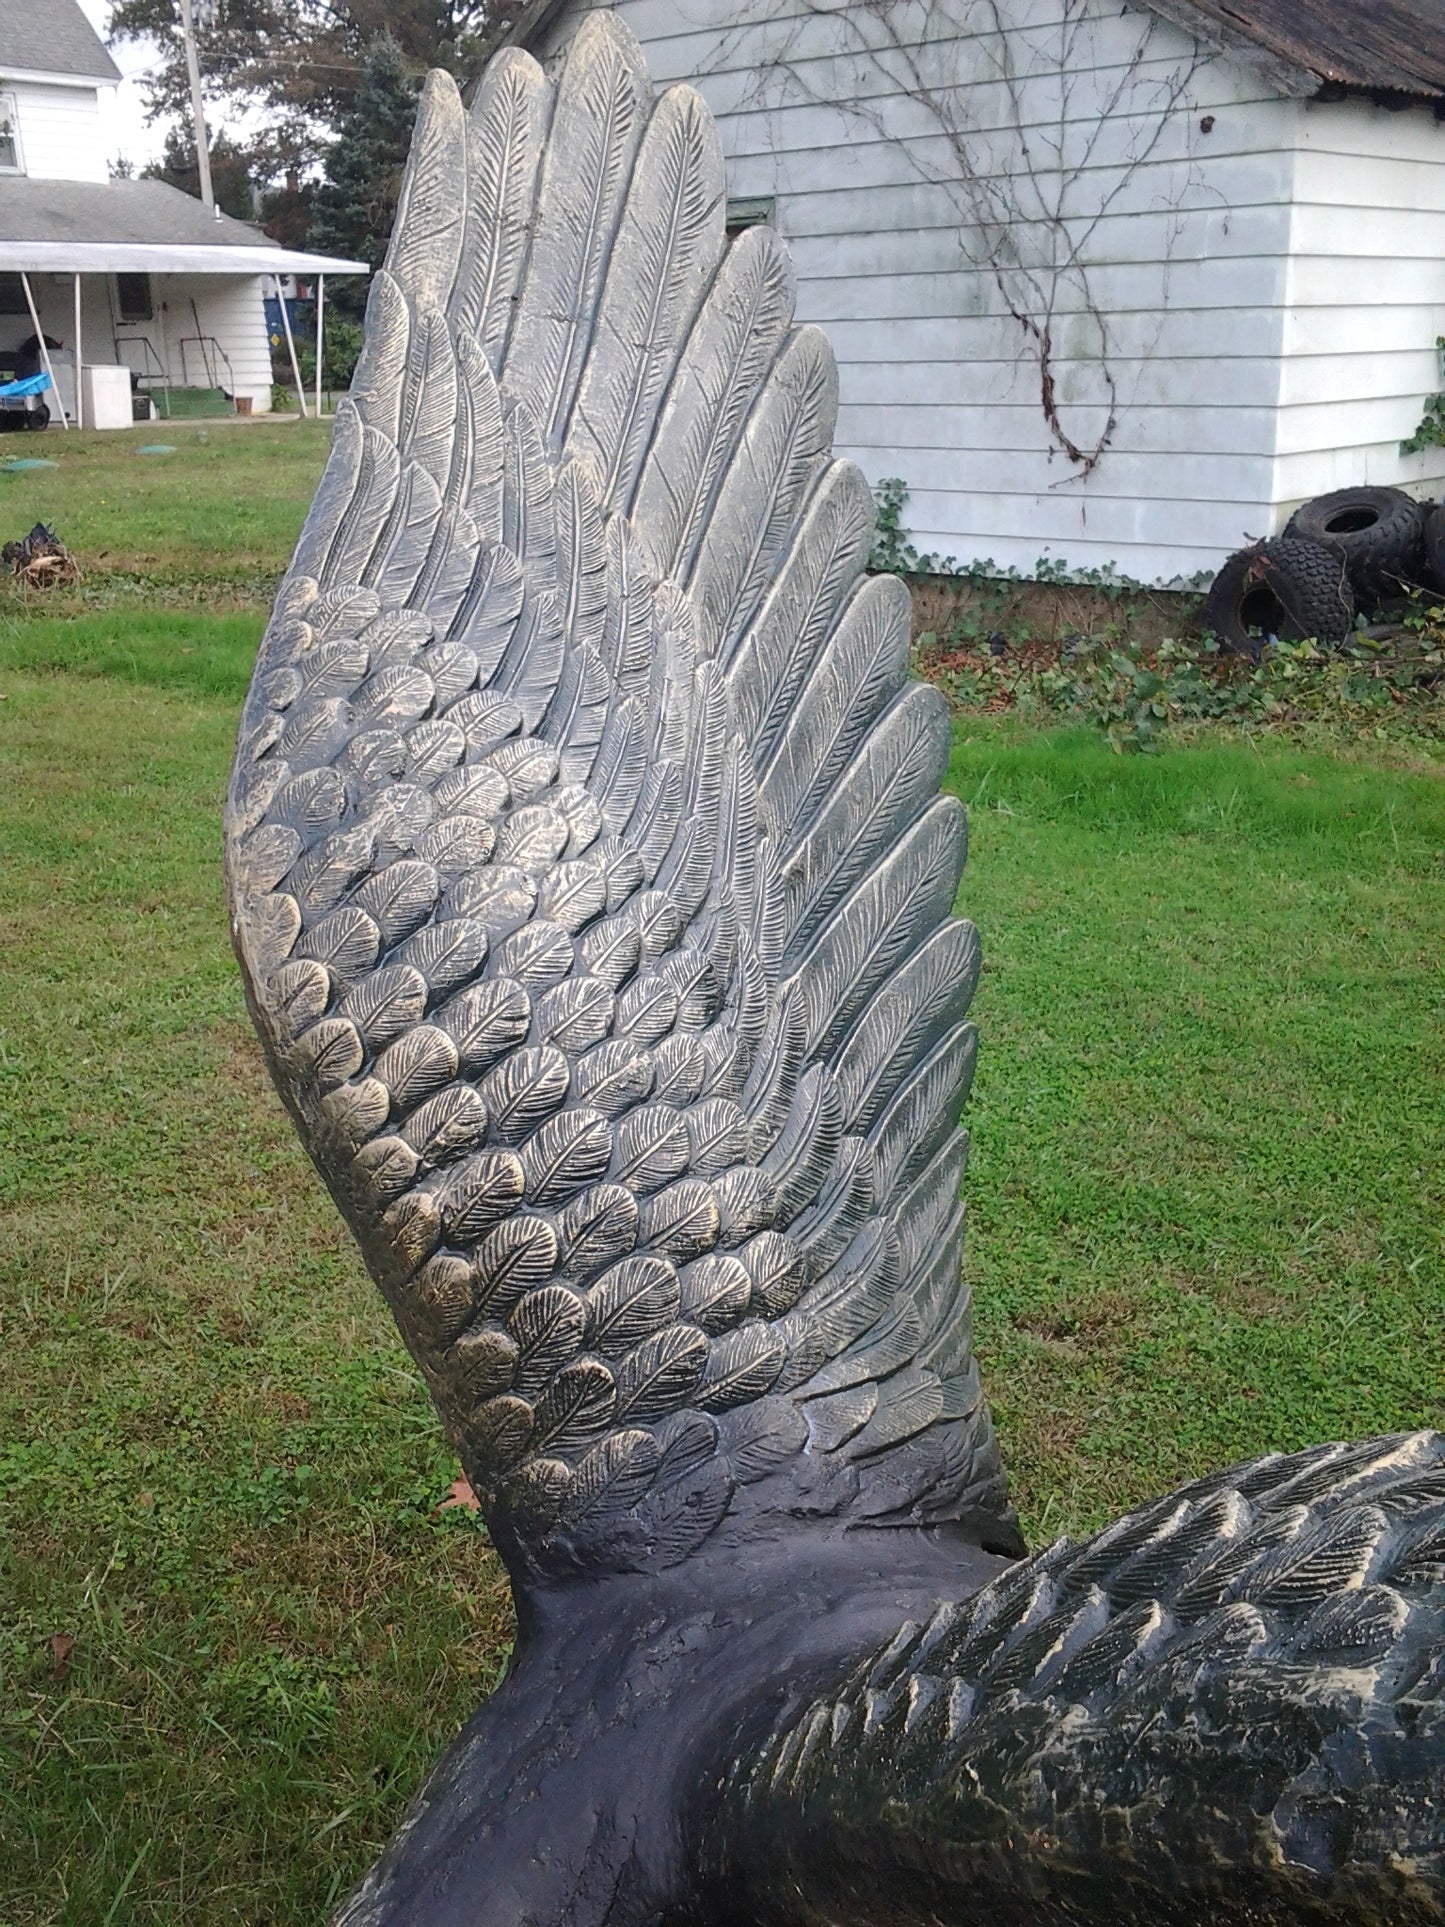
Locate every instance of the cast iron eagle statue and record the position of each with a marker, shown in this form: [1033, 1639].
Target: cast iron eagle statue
[592, 888]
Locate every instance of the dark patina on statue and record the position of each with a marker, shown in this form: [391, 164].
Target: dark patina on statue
[593, 891]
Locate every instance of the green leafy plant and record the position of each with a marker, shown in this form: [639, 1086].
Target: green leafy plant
[340, 350]
[1135, 695]
[1431, 432]
[893, 553]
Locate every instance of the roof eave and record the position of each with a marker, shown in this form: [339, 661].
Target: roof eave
[532, 22]
[152, 257]
[53, 77]
[1296, 78]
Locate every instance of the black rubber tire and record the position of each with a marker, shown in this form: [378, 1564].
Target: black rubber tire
[1290, 588]
[1435, 549]
[37, 418]
[1380, 531]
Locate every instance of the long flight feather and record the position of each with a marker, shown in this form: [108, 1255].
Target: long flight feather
[891, 910]
[426, 236]
[813, 584]
[728, 354]
[581, 555]
[577, 712]
[529, 527]
[924, 1111]
[380, 372]
[478, 452]
[505, 132]
[601, 106]
[667, 246]
[429, 399]
[402, 551]
[781, 454]
[888, 784]
[365, 516]
[864, 662]
[490, 608]
[928, 992]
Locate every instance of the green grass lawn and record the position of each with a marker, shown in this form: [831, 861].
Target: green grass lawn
[1206, 1219]
[210, 525]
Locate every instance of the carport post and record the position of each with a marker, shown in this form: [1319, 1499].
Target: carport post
[44, 351]
[79, 361]
[320, 312]
[291, 344]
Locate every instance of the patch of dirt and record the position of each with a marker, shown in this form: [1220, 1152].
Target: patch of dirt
[1103, 1322]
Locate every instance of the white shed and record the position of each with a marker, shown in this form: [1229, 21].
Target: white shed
[1110, 285]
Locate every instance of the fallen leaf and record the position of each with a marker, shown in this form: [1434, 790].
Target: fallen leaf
[460, 1493]
[61, 1647]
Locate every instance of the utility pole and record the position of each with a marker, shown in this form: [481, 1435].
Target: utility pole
[198, 111]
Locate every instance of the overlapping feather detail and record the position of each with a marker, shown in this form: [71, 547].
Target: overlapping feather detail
[588, 869]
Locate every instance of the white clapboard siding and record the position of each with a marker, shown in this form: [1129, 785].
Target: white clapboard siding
[1259, 301]
[1366, 301]
[227, 308]
[231, 309]
[62, 137]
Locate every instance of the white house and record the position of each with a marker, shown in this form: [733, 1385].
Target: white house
[133, 276]
[1114, 284]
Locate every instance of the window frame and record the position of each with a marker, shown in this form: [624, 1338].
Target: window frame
[9, 104]
[750, 210]
[137, 319]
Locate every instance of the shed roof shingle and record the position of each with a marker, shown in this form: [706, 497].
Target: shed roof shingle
[105, 227]
[1366, 46]
[116, 211]
[1391, 47]
[52, 37]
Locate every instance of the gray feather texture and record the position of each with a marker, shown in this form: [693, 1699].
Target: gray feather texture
[1226, 1706]
[587, 864]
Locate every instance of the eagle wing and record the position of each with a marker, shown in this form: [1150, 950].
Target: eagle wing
[588, 868]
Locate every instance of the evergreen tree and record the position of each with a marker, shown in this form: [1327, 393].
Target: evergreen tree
[353, 208]
[230, 171]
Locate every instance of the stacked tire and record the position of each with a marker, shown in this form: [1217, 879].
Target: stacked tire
[1352, 549]
[1435, 549]
[1380, 532]
[1292, 589]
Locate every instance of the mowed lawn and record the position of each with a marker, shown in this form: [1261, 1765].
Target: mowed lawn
[1207, 1197]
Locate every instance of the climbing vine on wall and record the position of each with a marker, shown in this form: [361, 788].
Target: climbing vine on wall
[1431, 432]
[1030, 188]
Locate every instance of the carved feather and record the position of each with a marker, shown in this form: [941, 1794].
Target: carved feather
[845, 688]
[666, 249]
[504, 148]
[780, 456]
[376, 386]
[601, 105]
[426, 236]
[818, 575]
[726, 359]
[883, 790]
[899, 903]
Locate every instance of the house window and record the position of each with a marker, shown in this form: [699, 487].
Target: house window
[11, 159]
[133, 297]
[12, 295]
[757, 212]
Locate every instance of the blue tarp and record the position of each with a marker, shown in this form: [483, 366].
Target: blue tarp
[31, 385]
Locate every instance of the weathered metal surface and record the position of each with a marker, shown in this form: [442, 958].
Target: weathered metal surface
[593, 893]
